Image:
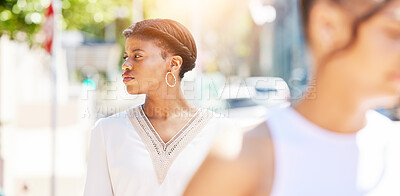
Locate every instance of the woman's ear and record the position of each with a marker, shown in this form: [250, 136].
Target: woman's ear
[329, 27]
[175, 63]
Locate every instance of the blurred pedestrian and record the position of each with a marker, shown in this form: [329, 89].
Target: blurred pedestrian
[332, 142]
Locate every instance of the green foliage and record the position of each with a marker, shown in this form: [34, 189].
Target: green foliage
[22, 19]
[91, 16]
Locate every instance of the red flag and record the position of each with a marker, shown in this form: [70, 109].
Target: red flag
[48, 27]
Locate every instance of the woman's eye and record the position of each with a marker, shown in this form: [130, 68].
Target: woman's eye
[137, 56]
[125, 58]
[393, 32]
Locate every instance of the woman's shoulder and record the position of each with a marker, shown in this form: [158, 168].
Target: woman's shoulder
[220, 121]
[221, 117]
[114, 121]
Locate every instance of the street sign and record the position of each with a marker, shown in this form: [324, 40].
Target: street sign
[48, 28]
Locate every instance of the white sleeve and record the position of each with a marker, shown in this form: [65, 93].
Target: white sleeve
[228, 142]
[98, 181]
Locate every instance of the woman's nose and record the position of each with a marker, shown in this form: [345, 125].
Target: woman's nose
[126, 66]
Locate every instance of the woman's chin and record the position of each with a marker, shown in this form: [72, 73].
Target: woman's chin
[132, 90]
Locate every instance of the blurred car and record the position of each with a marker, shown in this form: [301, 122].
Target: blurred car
[248, 101]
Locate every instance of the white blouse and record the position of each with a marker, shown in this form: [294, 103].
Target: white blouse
[128, 158]
[313, 161]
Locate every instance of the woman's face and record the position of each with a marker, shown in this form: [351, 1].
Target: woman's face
[371, 65]
[144, 67]
[375, 57]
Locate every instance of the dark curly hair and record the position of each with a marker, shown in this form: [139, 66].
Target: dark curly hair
[171, 36]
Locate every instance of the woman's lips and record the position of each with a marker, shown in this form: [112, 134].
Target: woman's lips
[396, 76]
[127, 77]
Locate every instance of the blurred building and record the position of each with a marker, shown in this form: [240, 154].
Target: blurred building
[289, 58]
[88, 88]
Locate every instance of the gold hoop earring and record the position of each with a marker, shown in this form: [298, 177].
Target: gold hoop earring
[166, 79]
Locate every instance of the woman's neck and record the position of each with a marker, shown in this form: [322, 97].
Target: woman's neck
[334, 106]
[165, 105]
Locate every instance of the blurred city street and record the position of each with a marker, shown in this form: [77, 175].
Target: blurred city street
[250, 59]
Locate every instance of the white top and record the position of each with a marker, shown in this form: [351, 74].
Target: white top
[127, 157]
[312, 161]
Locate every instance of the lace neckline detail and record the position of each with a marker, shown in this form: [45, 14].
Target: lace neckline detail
[164, 153]
[154, 131]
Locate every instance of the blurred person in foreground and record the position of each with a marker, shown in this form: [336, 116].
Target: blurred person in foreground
[332, 142]
[154, 148]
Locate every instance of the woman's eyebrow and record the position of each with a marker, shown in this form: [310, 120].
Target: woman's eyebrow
[137, 49]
